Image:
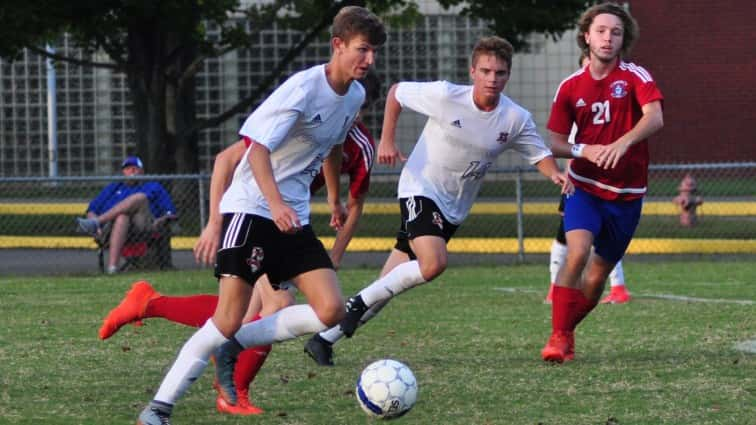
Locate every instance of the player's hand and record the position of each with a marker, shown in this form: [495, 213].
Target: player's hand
[610, 155]
[388, 153]
[338, 216]
[285, 218]
[562, 180]
[207, 245]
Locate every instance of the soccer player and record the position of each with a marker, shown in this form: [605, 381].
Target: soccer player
[142, 301]
[618, 293]
[468, 127]
[266, 229]
[616, 106]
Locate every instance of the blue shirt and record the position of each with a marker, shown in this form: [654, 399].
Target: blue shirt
[159, 199]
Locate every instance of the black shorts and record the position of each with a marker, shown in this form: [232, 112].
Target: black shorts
[421, 217]
[251, 245]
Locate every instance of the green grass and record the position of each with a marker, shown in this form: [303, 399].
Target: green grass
[473, 347]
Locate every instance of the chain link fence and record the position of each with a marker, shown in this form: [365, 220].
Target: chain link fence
[693, 209]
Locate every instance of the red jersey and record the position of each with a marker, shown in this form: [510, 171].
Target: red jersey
[604, 110]
[357, 161]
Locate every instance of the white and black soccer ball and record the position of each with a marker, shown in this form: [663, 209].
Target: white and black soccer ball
[386, 389]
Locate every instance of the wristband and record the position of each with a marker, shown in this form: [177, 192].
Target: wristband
[577, 150]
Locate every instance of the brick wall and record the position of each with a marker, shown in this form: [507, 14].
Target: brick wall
[703, 56]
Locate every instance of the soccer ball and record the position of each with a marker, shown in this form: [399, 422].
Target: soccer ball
[386, 389]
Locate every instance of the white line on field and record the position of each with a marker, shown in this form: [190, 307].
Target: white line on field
[747, 346]
[657, 296]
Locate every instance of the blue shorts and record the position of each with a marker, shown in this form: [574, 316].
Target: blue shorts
[612, 223]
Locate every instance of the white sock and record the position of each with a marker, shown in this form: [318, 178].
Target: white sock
[289, 323]
[334, 334]
[402, 277]
[558, 254]
[190, 363]
[617, 276]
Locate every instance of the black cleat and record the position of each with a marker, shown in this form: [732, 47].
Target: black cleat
[355, 308]
[319, 350]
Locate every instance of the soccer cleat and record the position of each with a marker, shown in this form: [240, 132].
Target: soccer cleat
[355, 308]
[560, 348]
[617, 295]
[225, 362]
[550, 295]
[87, 225]
[244, 407]
[131, 308]
[153, 416]
[319, 350]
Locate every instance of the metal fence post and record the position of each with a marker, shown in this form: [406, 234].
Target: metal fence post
[520, 218]
[201, 196]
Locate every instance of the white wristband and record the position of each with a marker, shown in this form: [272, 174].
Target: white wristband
[577, 150]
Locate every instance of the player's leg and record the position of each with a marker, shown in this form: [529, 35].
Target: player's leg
[424, 234]
[618, 293]
[265, 301]
[320, 346]
[301, 258]
[236, 275]
[582, 221]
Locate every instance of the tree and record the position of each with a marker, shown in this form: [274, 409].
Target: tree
[161, 44]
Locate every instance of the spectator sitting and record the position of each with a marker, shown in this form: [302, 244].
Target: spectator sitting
[131, 206]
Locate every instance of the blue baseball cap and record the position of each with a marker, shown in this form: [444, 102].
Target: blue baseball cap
[132, 161]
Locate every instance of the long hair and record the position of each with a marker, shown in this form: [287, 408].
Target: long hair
[630, 25]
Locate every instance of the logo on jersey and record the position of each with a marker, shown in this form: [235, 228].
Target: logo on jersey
[437, 220]
[317, 119]
[457, 123]
[255, 259]
[618, 89]
[502, 138]
[580, 103]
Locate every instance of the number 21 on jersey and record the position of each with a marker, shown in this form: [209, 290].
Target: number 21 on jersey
[601, 113]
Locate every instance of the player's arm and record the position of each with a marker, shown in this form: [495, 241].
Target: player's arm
[549, 168]
[344, 236]
[283, 215]
[651, 122]
[331, 171]
[223, 170]
[388, 152]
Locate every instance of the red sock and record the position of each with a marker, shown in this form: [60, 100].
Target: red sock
[563, 307]
[191, 311]
[249, 363]
[583, 307]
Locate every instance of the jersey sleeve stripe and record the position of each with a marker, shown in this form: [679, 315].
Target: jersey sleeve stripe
[364, 144]
[571, 76]
[645, 78]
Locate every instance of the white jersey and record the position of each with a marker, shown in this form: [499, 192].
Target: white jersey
[460, 142]
[298, 123]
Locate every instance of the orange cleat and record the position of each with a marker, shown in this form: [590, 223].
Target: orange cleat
[560, 348]
[550, 296]
[244, 406]
[617, 295]
[131, 308]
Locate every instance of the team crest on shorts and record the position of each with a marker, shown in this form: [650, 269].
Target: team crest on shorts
[618, 89]
[255, 259]
[437, 220]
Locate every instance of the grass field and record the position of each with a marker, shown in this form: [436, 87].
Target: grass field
[472, 339]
